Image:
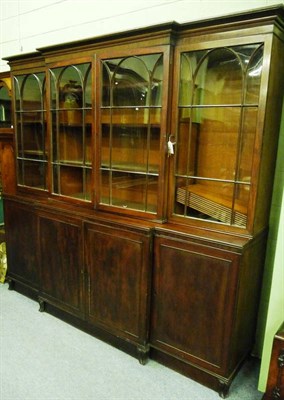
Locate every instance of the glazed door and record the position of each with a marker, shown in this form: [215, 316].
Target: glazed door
[118, 262]
[71, 130]
[30, 127]
[132, 124]
[62, 272]
[216, 131]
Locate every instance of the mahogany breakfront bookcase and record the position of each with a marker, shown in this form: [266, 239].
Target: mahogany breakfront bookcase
[145, 164]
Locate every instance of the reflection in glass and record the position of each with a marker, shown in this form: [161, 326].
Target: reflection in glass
[218, 105]
[253, 76]
[32, 95]
[130, 131]
[132, 81]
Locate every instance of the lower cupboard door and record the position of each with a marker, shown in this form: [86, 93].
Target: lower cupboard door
[61, 263]
[193, 301]
[118, 265]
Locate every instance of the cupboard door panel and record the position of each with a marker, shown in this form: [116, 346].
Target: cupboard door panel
[21, 242]
[193, 301]
[118, 261]
[61, 262]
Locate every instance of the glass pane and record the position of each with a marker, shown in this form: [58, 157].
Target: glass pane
[5, 108]
[17, 92]
[87, 146]
[31, 144]
[105, 197]
[70, 96]
[32, 92]
[133, 116]
[133, 191]
[88, 115]
[156, 83]
[68, 143]
[205, 199]
[219, 78]
[186, 146]
[71, 86]
[32, 117]
[88, 184]
[132, 81]
[128, 190]
[247, 144]
[54, 93]
[32, 173]
[130, 87]
[155, 116]
[129, 149]
[88, 87]
[213, 143]
[70, 117]
[153, 161]
[188, 66]
[55, 180]
[70, 181]
[125, 143]
[242, 193]
[106, 84]
[106, 146]
[253, 77]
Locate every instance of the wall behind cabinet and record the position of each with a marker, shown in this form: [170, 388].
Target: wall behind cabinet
[271, 313]
[27, 25]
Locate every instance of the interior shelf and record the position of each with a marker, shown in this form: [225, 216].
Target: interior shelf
[212, 204]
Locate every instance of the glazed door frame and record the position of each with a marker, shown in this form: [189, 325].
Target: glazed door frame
[212, 42]
[161, 163]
